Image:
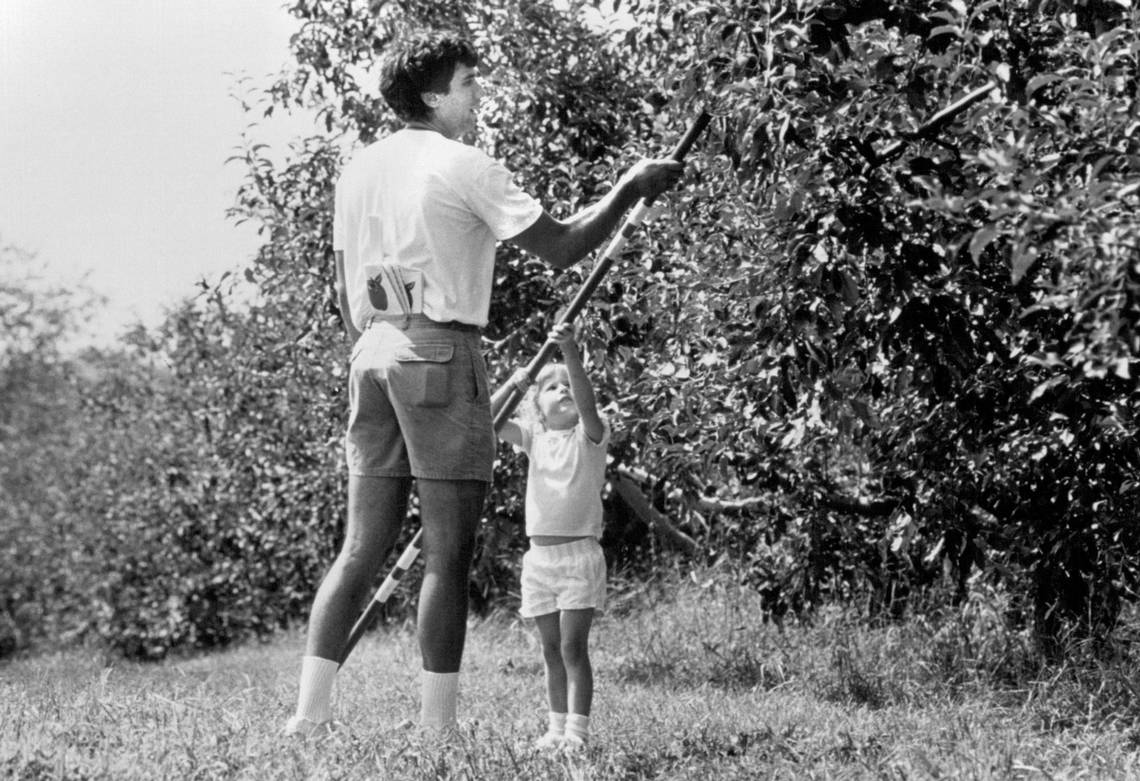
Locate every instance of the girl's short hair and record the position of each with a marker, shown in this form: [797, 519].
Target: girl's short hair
[423, 62]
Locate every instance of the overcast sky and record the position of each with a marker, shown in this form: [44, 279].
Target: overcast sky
[115, 122]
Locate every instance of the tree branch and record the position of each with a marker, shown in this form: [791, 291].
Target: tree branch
[626, 487]
[875, 508]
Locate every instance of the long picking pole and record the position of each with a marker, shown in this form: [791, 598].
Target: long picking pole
[613, 252]
[515, 394]
[932, 125]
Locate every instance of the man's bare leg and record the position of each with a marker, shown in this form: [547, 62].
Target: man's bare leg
[376, 510]
[450, 512]
[377, 507]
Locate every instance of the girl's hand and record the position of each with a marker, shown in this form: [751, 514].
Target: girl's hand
[563, 335]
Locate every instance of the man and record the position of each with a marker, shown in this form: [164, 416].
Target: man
[417, 217]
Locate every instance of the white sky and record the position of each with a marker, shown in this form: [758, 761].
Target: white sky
[115, 122]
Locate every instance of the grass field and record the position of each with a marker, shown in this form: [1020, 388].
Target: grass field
[690, 685]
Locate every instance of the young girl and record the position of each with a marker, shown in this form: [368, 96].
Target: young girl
[564, 572]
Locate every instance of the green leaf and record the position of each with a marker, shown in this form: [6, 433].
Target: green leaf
[850, 288]
[945, 29]
[1023, 258]
[1045, 387]
[981, 239]
[1037, 82]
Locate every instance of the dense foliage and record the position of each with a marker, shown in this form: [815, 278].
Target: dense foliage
[36, 429]
[905, 351]
[946, 326]
[880, 339]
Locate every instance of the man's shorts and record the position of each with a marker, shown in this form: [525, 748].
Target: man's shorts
[570, 576]
[418, 402]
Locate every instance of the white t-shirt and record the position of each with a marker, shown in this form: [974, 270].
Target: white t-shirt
[565, 477]
[434, 208]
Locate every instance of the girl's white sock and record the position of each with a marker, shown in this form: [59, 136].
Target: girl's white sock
[317, 676]
[555, 728]
[439, 693]
[578, 727]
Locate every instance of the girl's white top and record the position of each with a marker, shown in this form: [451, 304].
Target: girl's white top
[565, 476]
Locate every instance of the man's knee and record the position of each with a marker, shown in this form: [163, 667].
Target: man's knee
[450, 548]
[357, 560]
[575, 652]
[454, 560]
[355, 569]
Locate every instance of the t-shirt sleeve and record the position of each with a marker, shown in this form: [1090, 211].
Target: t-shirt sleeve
[500, 203]
[338, 220]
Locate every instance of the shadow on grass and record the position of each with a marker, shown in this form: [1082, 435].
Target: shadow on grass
[739, 669]
[763, 746]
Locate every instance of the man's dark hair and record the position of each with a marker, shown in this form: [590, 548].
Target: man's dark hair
[424, 62]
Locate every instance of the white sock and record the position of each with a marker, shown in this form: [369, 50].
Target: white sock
[555, 723]
[578, 726]
[317, 676]
[439, 693]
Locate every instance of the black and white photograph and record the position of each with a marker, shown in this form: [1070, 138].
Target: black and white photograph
[569, 389]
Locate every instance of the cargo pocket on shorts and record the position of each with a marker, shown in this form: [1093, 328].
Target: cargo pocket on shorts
[425, 374]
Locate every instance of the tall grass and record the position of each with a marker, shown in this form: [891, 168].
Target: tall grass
[691, 684]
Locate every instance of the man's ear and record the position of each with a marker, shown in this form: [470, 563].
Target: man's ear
[431, 99]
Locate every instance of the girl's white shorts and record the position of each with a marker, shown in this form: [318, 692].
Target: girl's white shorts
[571, 576]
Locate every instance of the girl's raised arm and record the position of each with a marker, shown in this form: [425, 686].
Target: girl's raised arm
[580, 386]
